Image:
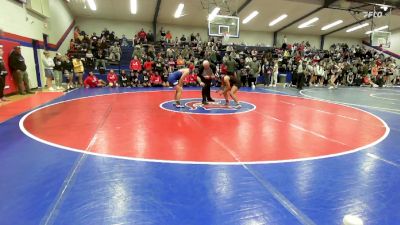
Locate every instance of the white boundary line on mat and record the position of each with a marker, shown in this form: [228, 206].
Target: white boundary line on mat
[390, 110]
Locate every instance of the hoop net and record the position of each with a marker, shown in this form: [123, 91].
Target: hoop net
[226, 38]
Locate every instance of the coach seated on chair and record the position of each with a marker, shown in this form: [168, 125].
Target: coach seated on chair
[206, 73]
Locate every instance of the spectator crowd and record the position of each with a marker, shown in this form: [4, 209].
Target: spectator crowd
[296, 65]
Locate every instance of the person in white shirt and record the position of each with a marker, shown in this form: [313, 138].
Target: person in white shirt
[248, 59]
[225, 58]
[392, 73]
[198, 38]
[124, 41]
[48, 64]
[229, 48]
[320, 72]
[309, 73]
[275, 72]
[335, 72]
[254, 52]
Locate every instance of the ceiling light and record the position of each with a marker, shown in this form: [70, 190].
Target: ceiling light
[357, 27]
[250, 17]
[214, 13]
[178, 12]
[277, 20]
[381, 28]
[332, 25]
[377, 29]
[133, 6]
[92, 5]
[384, 7]
[308, 23]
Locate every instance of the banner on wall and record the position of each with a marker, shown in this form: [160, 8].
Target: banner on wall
[8, 46]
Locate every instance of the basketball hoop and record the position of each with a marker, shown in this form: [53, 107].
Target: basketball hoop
[221, 24]
[380, 39]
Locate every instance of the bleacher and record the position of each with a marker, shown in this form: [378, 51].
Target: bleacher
[123, 64]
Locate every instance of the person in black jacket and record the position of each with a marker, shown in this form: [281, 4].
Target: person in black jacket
[3, 74]
[100, 59]
[68, 71]
[18, 69]
[206, 73]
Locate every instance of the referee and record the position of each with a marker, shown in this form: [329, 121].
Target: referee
[206, 73]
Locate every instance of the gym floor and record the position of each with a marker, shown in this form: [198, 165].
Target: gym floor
[127, 156]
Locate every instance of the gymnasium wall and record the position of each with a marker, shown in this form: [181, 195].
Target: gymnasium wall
[395, 42]
[298, 38]
[334, 40]
[23, 26]
[28, 24]
[120, 27]
[130, 28]
[254, 38]
[187, 30]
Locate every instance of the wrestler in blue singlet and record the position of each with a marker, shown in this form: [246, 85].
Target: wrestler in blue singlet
[174, 77]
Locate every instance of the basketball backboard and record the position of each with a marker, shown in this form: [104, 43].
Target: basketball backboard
[380, 39]
[223, 25]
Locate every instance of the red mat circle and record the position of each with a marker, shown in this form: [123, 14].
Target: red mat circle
[132, 126]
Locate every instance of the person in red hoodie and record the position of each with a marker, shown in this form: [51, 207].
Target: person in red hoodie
[224, 69]
[192, 80]
[148, 65]
[135, 67]
[186, 81]
[92, 81]
[143, 36]
[112, 79]
[155, 79]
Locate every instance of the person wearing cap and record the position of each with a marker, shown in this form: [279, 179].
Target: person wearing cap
[3, 74]
[18, 67]
[58, 70]
[48, 64]
[176, 79]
